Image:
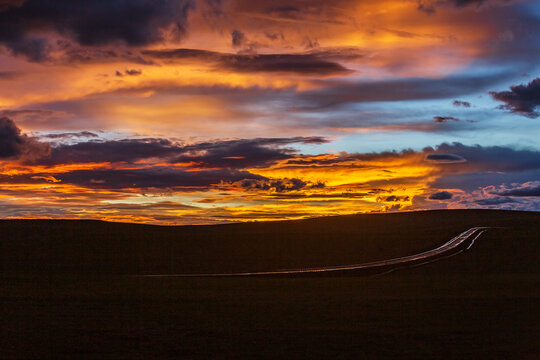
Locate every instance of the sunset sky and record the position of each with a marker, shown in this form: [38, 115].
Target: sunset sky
[209, 111]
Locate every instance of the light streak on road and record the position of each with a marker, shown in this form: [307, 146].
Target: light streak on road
[448, 249]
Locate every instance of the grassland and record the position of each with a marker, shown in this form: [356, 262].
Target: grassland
[65, 292]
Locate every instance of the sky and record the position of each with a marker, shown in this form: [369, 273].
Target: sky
[212, 111]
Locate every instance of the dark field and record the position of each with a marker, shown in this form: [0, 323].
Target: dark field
[65, 290]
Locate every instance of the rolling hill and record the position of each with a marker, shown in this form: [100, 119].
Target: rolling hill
[67, 291]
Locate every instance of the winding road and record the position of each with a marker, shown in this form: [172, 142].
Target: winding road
[456, 245]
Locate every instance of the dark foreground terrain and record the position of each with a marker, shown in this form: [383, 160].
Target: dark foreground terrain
[67, 290]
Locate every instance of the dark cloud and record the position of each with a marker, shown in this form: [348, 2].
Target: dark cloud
[154, 177]
[183, 54]
[521, 99]
[445, 158]
[287, 11]
[14, 144]
[339, 93]
[489, 158]
[443, 119]
[25, 112]
[8, 75]
[459, 103]
[212, 9]
[206, 164]
[275, 36]
[242, 153]
[310, 43]
[394, 198]
[464, 158]
[487, 166]
[68, 135]
[131, 72]
[472, 180]
[36, 118]
[463, 3]
[430, 6]
[238, 38]
[129, 150]
[530, 189]
[310, 63]
[164, 177]
[494, 201]
[514, 41]
[277, 185]
[350, 157]
[218, 154]
[321, 197]
[34, 48]
[149, 177]
[441, 195]
[162, 205]
[300, 64]
[339, 53]
[90, 23]
[394, 207]
[73, 53]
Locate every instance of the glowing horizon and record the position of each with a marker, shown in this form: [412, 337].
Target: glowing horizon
[208, 111]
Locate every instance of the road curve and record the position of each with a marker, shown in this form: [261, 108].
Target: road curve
[456, 245]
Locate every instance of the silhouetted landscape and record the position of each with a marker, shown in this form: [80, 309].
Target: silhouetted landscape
[70, 289]
[273, 179]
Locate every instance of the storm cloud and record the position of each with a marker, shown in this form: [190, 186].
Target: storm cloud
[14, 144]
[68, 135]
[441, 195]
[430, 6]
[309, 63]
[338, 93]
[521, 99]
[277, 185]
[26, 25]
[488, 158]
[445, 158]
[521, 190]
[494, 201]
[223, 154]
[154, 177]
